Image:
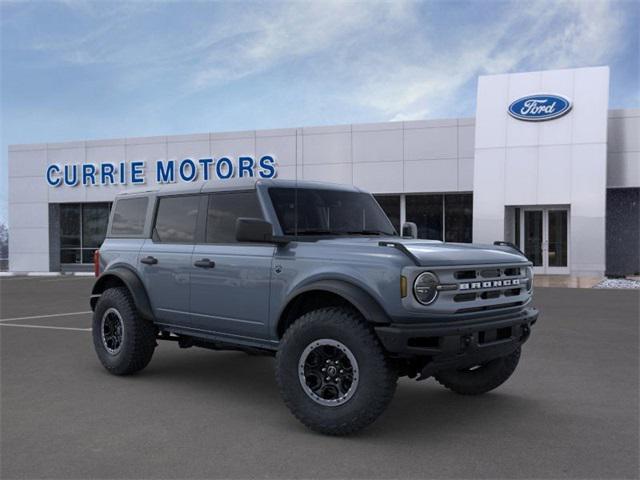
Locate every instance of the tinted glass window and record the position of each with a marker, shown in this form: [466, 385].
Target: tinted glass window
[82, 230]
[70, 225]
[129, 216]
[426, 212]
[306, 211]
[391, 206]
[458, 217]
[176, 219]
[224, 209]
[95, 218]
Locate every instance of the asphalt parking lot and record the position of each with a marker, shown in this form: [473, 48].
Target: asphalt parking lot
[570, 410]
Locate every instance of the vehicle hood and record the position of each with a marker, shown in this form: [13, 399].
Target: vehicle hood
[435, 253]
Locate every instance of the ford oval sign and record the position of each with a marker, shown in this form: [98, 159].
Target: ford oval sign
[536, 108]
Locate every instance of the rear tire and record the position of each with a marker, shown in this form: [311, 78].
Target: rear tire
[124, 341]
[481, 379]
[362, 380]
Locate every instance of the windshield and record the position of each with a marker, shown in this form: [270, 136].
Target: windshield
[328, 212]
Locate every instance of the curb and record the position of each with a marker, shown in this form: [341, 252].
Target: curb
[46, 274]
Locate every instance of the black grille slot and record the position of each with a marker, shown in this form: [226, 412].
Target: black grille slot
[512, 292]
[464, 297]
[489, 307]
[512, 272]
[490, 295]
[503, 333]
[424, 342]
[465, 274]
[492, 273]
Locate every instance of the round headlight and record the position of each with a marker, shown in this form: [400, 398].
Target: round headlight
[529, 279]
[425, 288]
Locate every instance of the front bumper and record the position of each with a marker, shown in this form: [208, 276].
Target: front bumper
[451, 344]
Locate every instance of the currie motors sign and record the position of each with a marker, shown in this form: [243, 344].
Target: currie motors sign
[164, 171]
[540, 107]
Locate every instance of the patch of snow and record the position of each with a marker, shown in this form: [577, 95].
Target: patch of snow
[624, 283]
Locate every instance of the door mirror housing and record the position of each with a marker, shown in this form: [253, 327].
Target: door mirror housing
[256, 230]
[409, 230]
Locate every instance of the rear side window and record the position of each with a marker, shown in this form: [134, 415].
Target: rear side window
[176, 219]
[224, 209]
[129, 216]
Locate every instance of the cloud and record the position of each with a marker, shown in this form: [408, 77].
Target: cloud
[535, 35]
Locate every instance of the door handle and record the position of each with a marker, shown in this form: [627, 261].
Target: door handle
[204, 263]
[149, 260]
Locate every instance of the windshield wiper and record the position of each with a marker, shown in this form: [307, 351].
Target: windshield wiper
[311, 231]
[369, 232]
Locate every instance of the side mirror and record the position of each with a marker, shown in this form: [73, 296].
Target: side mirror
[410, 230]
[256, 230]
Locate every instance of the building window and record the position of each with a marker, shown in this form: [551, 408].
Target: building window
[83, 227]
[447, 217]
[391, 206]
[426, 211]
[458, 217]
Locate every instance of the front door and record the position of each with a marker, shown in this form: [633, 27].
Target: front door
[544, 234]
[230, 282]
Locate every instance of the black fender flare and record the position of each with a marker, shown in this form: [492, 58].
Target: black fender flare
[355, 295]
[133, 283]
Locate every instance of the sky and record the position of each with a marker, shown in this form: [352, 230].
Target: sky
[76, 70]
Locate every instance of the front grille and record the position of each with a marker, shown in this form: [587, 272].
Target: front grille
[481, 288]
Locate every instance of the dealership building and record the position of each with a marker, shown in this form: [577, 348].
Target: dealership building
[544, 164]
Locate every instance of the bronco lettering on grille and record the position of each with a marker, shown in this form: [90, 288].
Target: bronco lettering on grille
[489, 284]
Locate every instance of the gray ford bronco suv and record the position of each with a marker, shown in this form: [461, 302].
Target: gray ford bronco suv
[316, 275]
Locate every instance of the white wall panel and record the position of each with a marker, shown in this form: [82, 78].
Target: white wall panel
[283, 149]
[558, 131]
[28, 215]
[326, 148]
[554, 175]
[26, 240]
[466, 141]
[335, 172]
[27, 163]
[29, 189]
[431, 176]
[588, 180]
[465, 174]
[591, 104]
[377, 146]
[431, 143]
[493, 95]
[379, 177]
[29, 262]
[237, 147]
[521, 163]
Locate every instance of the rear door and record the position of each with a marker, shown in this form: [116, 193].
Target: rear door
[165, 259]
[230, 281]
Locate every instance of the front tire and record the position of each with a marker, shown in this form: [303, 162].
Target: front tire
[481, 379]
[332, 372]
[123, 341]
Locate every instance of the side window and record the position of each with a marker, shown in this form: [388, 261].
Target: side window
[176, 219]
[129, 216]
[224, 209]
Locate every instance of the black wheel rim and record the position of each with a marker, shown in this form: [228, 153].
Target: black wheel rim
[112, 331]
[328, 372]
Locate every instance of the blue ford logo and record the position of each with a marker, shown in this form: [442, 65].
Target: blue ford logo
[536, 108]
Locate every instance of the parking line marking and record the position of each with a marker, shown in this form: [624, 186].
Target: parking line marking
[45, 326]
[43, 316]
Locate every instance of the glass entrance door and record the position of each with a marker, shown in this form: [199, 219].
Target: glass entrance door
[544, 234]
